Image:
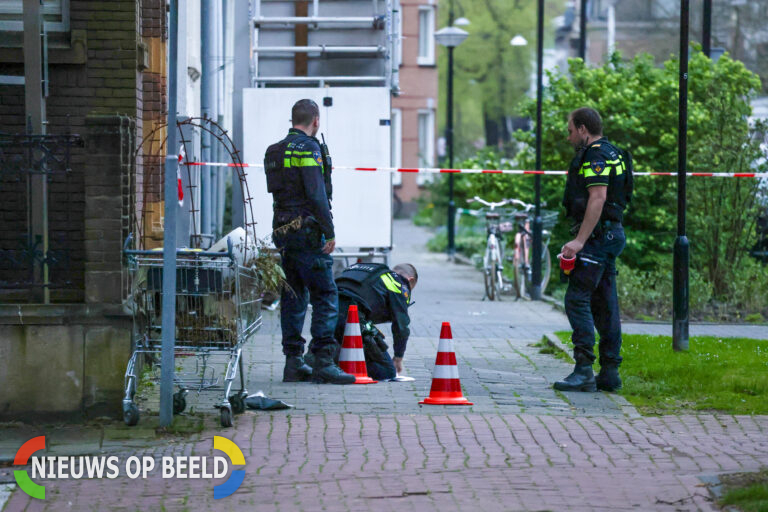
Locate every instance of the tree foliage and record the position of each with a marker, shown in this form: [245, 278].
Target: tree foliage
[490, 76]
[638, 103]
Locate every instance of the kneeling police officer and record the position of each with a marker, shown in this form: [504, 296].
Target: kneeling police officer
[381, 295]
[299, 178]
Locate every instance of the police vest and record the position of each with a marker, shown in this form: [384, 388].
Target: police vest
[620, 182]
[360, 280]
[284, 180]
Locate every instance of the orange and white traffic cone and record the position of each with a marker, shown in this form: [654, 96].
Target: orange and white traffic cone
[352, 358]
[446, 388]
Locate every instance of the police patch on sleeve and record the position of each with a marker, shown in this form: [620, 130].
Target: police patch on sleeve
[318, 157]
[598, 166]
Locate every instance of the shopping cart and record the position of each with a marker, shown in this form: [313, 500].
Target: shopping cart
[218, 307]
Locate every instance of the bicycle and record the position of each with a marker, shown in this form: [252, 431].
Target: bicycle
[493, 259]
[522, 267]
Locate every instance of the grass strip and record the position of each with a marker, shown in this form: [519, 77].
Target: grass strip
[746, 491]
[727, 375]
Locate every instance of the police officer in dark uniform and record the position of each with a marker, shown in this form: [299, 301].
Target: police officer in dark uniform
[598, 189]
[299, 179]
[382, 295]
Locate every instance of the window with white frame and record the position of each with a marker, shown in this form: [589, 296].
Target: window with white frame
[55, 15]
[426, 36]
[396, 131]
[426, 127]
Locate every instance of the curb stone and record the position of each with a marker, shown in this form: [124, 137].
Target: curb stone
[626, 408]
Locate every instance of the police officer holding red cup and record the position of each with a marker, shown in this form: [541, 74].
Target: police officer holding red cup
[598, 189]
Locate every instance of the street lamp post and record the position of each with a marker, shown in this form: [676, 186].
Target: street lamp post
[450, 37]
[706, 29]
[536, 290]
[583, 31]
[681, 254]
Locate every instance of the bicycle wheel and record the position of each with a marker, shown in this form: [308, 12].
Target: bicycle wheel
[490, 290]
[488, 273]
[498, 279]
[546, 268]
[519, 272]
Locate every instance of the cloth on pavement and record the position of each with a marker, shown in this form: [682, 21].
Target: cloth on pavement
[261, 402]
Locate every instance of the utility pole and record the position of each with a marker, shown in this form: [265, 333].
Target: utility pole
[169, 230]
[681, 257]
[207, 108]
[242, 79]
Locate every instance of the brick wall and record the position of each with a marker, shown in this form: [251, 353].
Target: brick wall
[109, 88]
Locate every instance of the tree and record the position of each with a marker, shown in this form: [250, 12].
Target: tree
[490, 76]
[638, 103]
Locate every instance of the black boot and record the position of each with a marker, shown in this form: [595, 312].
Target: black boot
[309, 358]
[608, 379]
[581, 379]
[326, 371]
[296, 370]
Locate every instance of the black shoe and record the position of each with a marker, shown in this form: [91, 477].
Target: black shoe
[296, 370]
[327, 372]
[581, 379]
[608, 379]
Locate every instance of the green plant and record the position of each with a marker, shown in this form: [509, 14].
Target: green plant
[648, 293]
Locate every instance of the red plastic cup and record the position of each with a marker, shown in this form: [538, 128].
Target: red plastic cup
[567, 264]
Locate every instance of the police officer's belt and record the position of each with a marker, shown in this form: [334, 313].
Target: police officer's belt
[602, 226]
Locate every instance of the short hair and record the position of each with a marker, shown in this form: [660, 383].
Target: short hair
[407, 270]
[304, 112]
[589, 118]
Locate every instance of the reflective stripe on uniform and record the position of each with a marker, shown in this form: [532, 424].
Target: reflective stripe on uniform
[390, 283]
[303, 162]
[618, 165]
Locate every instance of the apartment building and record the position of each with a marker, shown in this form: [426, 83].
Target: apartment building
[414, 110]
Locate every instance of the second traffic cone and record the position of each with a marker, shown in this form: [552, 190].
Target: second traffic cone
[446, 387]
[352, 358]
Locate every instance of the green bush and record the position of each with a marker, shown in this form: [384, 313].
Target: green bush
[637, 101]
[749, 289]
[647, 294]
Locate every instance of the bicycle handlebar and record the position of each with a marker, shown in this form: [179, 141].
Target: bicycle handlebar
[527, 207]
[488, 204]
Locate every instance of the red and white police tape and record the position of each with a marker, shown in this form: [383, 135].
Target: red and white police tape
[434, 170]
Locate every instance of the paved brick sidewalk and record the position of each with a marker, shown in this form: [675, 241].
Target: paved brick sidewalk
[446, 462]
[522, 446]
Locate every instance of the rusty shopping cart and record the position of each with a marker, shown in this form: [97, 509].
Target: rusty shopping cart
[218, 307]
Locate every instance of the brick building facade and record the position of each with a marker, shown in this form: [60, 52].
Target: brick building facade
[106, 82]
[413, 118]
